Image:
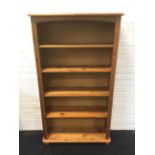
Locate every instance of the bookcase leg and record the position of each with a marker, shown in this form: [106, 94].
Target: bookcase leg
[108, 140]
[107, 143]
[44, 141]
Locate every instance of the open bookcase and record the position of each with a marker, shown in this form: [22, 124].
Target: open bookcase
[76, 61]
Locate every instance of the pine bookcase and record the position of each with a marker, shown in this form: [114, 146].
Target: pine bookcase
[76, 58]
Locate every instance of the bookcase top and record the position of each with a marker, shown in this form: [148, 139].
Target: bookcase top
[78, 14]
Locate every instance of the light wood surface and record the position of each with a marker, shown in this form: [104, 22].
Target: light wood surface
[113, 73]
[65, 114]
[78, 14]
[77, 137]
[76, 46]
[65, 93]
[39, 76]
[76, 70]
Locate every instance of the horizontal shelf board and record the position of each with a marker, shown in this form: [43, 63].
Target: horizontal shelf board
[75, 93]
[65, 114]
[75, 69]
[76, 137]
[76, 46]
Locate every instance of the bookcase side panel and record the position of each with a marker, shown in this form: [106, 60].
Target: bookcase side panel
[112, 77]
[39, 76]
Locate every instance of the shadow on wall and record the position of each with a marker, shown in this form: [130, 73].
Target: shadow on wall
[123, 105]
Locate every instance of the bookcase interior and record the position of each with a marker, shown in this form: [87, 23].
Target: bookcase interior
[75, 81]
[83, 125]
[76, 32]
[72, 57]
[77, 104]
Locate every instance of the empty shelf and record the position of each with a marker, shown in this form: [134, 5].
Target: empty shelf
[76, 70]
[75, 93]
[76, 137]
[65, 114]
[76, 46]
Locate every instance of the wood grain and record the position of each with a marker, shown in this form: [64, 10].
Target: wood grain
[75, 70]
[77, 137]
[76, 46]
[75, 114]
[112, 77]
[40, 80]
[65, 93]
[79, 14]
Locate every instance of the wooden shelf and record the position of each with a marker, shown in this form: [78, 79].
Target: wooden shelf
[75, 70]
[75, 93]
[64, 114]
[77, 137]
[76, 46]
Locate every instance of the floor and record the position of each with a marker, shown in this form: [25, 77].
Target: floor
[123, 143]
